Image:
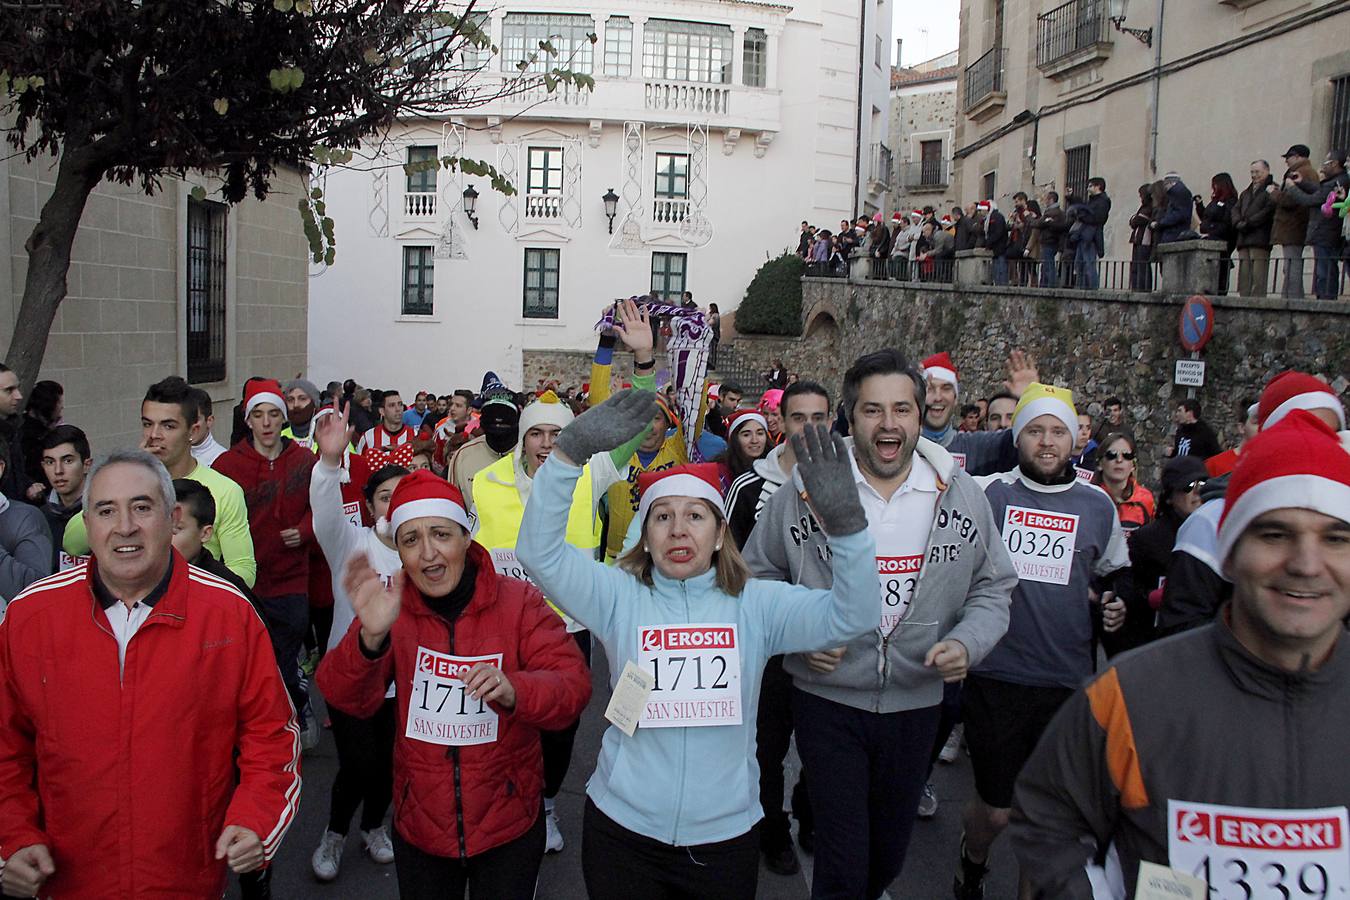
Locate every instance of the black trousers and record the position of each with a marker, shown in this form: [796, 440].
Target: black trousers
[619, 864]
[773, 735]
[557, 745]
[287, 619]
[865, 772]
[365, 776]
[508, 872]
[948, 719]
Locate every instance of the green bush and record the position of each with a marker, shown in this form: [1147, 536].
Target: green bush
[773, 301]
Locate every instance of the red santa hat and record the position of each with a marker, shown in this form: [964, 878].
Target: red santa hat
[897, 216]
[714, 391]
[263, 390]
[701, 481]
[940, 367]
[423, 494]
[1289, 391]
[1299, 463]
[983, 206]
[745, 417]
[916, 213]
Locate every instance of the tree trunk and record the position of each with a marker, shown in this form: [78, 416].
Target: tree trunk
[49, 249]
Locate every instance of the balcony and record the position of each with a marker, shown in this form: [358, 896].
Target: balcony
[686, 97]
[669, 210]
[926, 175]
[880, 165]
[542, 207]
[985, 93]
[1072, 36]
[419, 205]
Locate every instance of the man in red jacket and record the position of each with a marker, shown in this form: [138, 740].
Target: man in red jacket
[274, 474]
[128, 685]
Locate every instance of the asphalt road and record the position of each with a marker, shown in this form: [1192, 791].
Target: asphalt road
[927, 876]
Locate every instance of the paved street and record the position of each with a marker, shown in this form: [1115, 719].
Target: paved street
[928, 872]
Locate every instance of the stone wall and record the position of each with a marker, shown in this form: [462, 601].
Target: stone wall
[1099, 344]
[570, 368]
[920, 113]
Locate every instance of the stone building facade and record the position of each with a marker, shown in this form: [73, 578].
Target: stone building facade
[922, 127]
[162, 285]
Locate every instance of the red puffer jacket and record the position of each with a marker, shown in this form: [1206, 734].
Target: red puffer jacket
[276, 492]
[459, 801]
[130, 780]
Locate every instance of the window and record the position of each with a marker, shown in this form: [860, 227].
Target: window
[686, 51]
[619, 46]
[205, 291]
[930, 163]
[668, 275]
[418, 272]
[755, 62]
[423, 182]
[990, 184]
[877, 57]
[1077, 167]
[480, 27]
[672, 175]
[569, 35]
[545, 175]
[541, 283]
[1340, 113]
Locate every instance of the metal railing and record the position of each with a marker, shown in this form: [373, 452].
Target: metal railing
[881, 165]
[926, 173]
[419, 205]
[1067, 29]
[984, 77]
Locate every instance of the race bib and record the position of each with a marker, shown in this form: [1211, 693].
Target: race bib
[353, 512]
[440, 708]
[66, 561]
[960, 460]
[1082, 474]
[1040, 543]
[1260, 854]
[898, 576]
[696, 675]
[506, 564]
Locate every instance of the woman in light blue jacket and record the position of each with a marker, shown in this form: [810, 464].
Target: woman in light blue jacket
[673, 805]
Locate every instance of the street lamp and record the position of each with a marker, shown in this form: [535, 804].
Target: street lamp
[611, 206]
[1116, 12]
[470, 202]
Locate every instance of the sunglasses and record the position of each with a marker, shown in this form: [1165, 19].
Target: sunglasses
[1114, 455]
[1195, 485]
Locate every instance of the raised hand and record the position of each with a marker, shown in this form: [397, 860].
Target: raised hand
[1021, 372]
[376, 605]
[330, 434]
[611, 424]
[823, 462]
[633, 326]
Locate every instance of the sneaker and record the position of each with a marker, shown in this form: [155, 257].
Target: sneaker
[328, 857]
[952, 749]
[378, 846]
[309, 735]
[310, 662]
[928, 803]
[782, 860]
[553, 839]
[969, 883]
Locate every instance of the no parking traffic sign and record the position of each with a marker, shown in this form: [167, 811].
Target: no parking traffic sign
[1196, 326]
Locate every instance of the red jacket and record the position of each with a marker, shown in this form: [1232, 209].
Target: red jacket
[276, 492]
[130, 784]
[499, 785]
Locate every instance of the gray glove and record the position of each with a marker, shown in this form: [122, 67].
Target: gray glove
[611, 424]
[822, 461]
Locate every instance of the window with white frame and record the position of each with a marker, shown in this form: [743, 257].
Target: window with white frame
[671, 194]
[542, 266]
[480, 28]
[544, 183]
[619, 46]
[686, 51]
[569, 35]
[755, 64]
[668, 275]
[418, 273]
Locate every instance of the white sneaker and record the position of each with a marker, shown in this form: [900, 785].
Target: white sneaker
[553, 843]
[928, 802]
[952, 749]
[328, 857]
[378, 845]
[309, 736]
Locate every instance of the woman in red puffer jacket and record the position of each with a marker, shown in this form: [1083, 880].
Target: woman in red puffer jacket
[481, 665]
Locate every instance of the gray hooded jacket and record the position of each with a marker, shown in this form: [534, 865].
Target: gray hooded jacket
[963, 592]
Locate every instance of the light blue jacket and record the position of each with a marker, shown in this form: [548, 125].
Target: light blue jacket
[687, 786]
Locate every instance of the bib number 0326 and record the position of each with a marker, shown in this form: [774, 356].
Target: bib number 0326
[696, 675]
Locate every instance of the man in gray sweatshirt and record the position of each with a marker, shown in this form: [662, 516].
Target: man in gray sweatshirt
[866, 713]
[25, 542]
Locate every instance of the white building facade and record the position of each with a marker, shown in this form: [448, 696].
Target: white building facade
[719, 125]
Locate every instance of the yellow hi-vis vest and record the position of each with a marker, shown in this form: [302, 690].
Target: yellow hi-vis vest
[497, 503]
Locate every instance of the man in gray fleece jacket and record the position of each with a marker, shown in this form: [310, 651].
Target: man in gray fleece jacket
[25, 543]
[866, 714]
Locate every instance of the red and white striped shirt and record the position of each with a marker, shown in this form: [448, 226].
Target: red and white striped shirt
[379, 438]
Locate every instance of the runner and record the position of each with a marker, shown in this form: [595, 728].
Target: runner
[866, 713]
[671, 808]
[977, 452]
[1068, 549]
[487, 665]
[1152, 773]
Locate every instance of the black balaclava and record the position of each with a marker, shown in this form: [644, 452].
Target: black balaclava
[500, 422]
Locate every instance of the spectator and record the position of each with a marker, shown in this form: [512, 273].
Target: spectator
[715, 326]
[1113, 421]
[1216, 219]
[966, 236]
[1084, 446]
[1141, 242]
[1175, 220]
[1324, 229]
[1151, 547]
[1252, 217]
[1050, 229]
[804, 240]
[25, 543]
[1194, 437]
[1091, 245]
[46, 403]
[1289, 226]
[14, 482]
[879, 249]
[1000, 415]
[996, 239]
[1025, 247]
[776, 377]
[970, 418]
